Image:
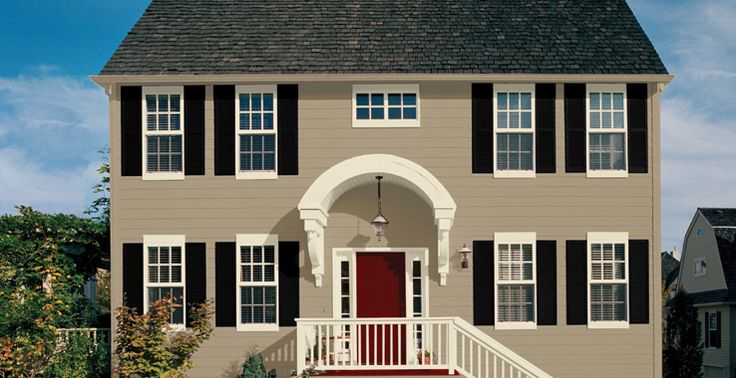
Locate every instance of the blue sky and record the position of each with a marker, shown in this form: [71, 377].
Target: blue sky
[53, 120]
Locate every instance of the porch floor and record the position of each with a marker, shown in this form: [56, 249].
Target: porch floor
[389, 373]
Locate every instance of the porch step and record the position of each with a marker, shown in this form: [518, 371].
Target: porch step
[390, 373]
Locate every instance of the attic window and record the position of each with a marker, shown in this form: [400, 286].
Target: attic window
[386, 105]
[700, 266]
[700, 232]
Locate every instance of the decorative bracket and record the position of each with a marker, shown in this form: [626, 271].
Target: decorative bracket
[443, 220]
[314, 224]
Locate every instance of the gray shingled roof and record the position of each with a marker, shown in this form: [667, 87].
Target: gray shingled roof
[386, 36]
[719, 217]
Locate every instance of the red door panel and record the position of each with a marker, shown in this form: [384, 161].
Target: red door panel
[381, 293]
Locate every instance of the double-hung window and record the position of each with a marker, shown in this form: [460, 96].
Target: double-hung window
[164, 267]
[256, 126]
[514, 130]
[712, 327]
[515, 277]
[391, 105]
[608, 281]
[607, 142]
[163, 133]
[257, 273]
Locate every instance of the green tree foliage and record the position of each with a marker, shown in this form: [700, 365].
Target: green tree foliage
[44, 261]
[683, 350]
[99, 209]
[253, 368]
[147, 347]
[80, 357]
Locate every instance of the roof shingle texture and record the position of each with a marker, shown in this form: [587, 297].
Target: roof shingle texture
[719, 217]
[175, 37]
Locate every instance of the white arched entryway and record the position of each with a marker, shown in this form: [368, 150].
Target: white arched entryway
[315, 205]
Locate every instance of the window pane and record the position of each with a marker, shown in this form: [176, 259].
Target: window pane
[153, 274]
[246, 295]
[376, 99]
[175, 103]
[164, 255]
[394, 99]
[503, 120]
[526, 101]
[618, 120]
[595, 101]
[270, 316]
[607, 151]
[255, 121]
[270, 295]
[410, 113]
[516, 303]
[605, 101]
[152, 255]
[618, 101]
[595, 120]
[361, 99]
[362, 113]
[176, 255]
[502, 101]
[175, 122]
[268, 273]
[268, 253]
[164, 273]
[268, 102]
[244, 102]
[377, 113]
[255, 101]
[268, 121]
[410, 99]
[163, 103]
[245, 273]
[344, 269]
[513, 120]
[345, 287]
[151, 122]
[258, 296]
[608, 302]
[513, 101]
[176, 273]
[394, 113]
[606, 122]
[526, 120]
[258, 273]
[151, 103]
[163, 121]
[258, 314]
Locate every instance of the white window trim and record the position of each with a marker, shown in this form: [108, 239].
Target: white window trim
[621, 173]
[497, 173]
[256, 240]
[607, 237]
[145, 132]
[410, 255]
[514, 238]
[385, 89]
[699, 260]
[256, 175]
[708, 329]
[167, 241]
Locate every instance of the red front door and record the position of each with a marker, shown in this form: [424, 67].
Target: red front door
[381, 293]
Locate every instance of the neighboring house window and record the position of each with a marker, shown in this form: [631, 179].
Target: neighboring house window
[257, 291]
[700, 232]
[607, 130]
[700, 266]
[608, 280]
[164, 268]
[515, 277]
[256, 127]
[514, 130]
[386, 105]
[713, 329]
[163, 134]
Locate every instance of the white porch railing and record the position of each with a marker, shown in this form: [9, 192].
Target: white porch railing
[450, 344]
[98, 335]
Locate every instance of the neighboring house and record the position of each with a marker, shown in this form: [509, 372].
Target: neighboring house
[670, 273]
[708, 273]
[246, 138]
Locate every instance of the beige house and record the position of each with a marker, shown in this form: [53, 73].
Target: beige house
[708, 273]
[246, 142]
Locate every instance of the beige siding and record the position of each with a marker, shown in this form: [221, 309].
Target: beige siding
[557, 206]
[716, 361]
[701, 246]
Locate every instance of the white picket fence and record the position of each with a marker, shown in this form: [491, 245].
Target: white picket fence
[99, 336]
[448, 343]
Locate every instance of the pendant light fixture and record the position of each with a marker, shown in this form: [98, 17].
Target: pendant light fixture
[379, 222]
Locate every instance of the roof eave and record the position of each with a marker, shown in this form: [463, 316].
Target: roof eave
[105, 81]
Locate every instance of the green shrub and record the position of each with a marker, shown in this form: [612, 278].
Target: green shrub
[79, 357]
[253, 368]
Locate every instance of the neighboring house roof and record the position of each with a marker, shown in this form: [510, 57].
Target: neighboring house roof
[670, 269]
[719, 217]
[385, 36]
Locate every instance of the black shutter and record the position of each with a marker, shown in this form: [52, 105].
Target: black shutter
[133, 276]
[483, 300]
[546, 282]
[288, 283]
[225, 284]
[196, 282]
[545, 119]
[639, 281]
[194, 130]
[224, 130]
[717, 344]
[706, 330]
[288, 129]
[637, 127]
[577, 282]
[575, 154]
[482, 128]
[131, 124]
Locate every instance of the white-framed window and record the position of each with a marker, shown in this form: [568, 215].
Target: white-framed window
[514, 126]
[165, 274]
[606, 132]
[608, 280]
[516, 277]
[389, 105]
[713, 337]
[256, 127]
[700, 266]
[163, 133]
[258, 280]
